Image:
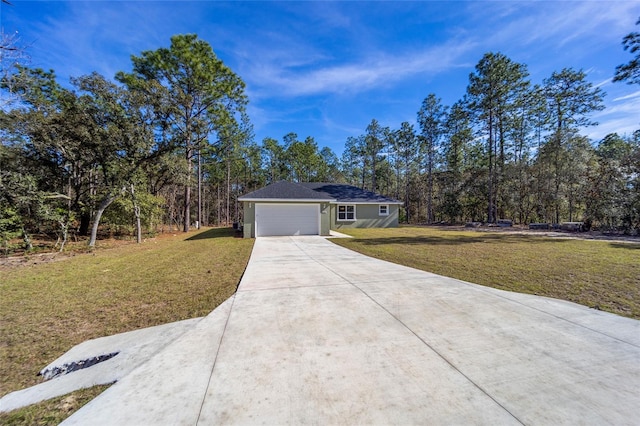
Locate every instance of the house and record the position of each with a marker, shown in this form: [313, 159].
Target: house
[287, 208]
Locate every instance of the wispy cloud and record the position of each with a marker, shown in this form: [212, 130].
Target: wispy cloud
[326, 68]
[620, 116]
[603, 83]
[528, 23]
[374, 71]
[100, 36]
[634, 95]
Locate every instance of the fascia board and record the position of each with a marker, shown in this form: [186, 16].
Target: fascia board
[367, 202]
[286, 200]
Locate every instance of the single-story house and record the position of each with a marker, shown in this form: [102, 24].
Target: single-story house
[313, 208]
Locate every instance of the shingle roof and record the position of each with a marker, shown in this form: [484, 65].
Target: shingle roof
[283, 190]
[320, 191]
[348, 193]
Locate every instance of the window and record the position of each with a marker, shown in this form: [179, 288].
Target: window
[383, 210]
[346, 212]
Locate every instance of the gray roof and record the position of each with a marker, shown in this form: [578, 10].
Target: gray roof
[312, 191]
[348, 193]
[283, 190]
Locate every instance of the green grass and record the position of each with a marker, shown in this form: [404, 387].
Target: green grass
[53, 411]
[599, 274]
[47, 308]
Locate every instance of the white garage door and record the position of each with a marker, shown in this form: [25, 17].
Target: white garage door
[287, 219]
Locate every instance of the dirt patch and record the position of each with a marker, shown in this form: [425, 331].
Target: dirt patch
[46, 252]
[32, 259]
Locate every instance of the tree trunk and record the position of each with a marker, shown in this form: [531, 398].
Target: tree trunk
[236, 204]
[199, 190]
[406, 203]
[106, 202]
[187, 208]
[219, 205]
[187, 195]
[430, 186]
[85, 222]
[136, 212]
[557, 181]
[228, 212]
[64, 229]
[373, 172]
[28, 245]
[490, 182]
[500, 159]
[206, 209]
[571, 208]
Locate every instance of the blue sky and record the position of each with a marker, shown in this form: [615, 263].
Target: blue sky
[325, 69]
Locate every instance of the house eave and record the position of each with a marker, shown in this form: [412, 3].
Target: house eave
[287, 200]
[314, 200]
[366, 202]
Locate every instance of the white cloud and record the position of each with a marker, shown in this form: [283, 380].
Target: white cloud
[90, 36]
[629, 96]
[621, 126]
[373, 71]
[620, 116]
[603, 83]
[562, 21]
[339, 127]
[300, 59]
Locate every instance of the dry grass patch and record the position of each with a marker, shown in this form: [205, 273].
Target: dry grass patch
[599, 274]
[47, 308]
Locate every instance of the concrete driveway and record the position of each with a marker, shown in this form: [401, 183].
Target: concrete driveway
[318, 334]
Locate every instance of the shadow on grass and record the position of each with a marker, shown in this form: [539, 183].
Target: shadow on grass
[628, 246]
[213, 233]
[458, 240]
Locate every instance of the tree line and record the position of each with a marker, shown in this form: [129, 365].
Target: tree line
[170, 144]
[120, 154]
[167, 144]
[510, 149]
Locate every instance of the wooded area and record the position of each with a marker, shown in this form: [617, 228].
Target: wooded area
[509, 150]
[170, 144]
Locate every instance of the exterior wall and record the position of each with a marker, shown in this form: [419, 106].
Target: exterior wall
[325, 218]
[250, 218]
[366, 217]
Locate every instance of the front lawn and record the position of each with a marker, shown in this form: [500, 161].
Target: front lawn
[599, 274]
[47, 308]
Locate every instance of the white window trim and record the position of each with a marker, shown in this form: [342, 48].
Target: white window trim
[346, 219]
[387, 208]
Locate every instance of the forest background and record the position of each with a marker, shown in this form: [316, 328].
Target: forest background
[170, 144]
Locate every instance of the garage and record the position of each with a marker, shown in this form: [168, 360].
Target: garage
[287, 219]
